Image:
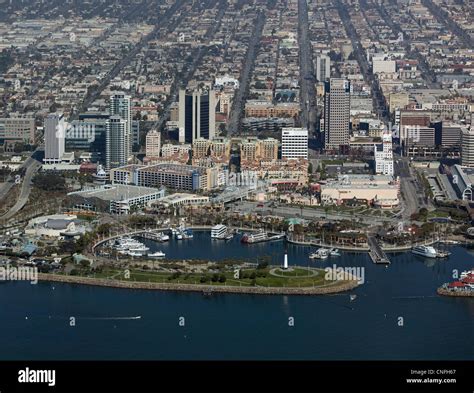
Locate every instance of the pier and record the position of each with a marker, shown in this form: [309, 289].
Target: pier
[376, 253]
[150, 235]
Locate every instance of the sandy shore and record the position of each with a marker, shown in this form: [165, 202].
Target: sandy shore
[322, 290]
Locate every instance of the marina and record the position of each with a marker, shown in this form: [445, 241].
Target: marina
[407, 287]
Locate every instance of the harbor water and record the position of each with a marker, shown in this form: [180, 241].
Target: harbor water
[395, 315]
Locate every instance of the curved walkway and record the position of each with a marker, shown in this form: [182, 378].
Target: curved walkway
[274, 273]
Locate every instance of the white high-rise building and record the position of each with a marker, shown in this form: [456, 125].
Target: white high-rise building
[383, 154]
[120, 105]
[153, 144]
[116, 154]
[54, 138]
[467, 147]
[323, 68]
[294, 143]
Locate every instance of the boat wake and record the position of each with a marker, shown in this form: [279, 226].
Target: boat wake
[110, 318]
[99, 318]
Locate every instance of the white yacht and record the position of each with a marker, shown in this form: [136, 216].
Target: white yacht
[158, 254]
[139, 248]
[219, 232]
[254, 237]
[162, 237]
[425, 251]
[134, 254]
[322, 253]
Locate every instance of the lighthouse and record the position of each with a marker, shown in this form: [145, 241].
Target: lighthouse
[285, 261]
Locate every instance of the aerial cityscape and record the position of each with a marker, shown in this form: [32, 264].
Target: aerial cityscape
[182, 168]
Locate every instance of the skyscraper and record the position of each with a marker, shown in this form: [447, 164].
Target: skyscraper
[337, 106]
[54, 138]
[467, 152]
[384, 155]
[197, 115]
[323, 68]
[116, 143]
[120, 105]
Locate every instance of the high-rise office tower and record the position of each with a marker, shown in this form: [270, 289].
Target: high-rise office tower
[54, 138]
[323, 68]
[120, 105]
[197, 115]
[467, 147]
[337, 107]
[294, 143]
[383, 155]
[153, 143]
[116, 143]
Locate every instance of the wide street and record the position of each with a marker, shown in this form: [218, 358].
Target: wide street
[32, 166]
[308, 92]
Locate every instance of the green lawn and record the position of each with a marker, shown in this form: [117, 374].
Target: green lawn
[296, 278]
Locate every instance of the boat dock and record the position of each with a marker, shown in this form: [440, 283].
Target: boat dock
[376, 253]
[150, 235]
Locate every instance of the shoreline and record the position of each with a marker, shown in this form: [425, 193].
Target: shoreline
[322, 290]
[444, 292]
[364, 249]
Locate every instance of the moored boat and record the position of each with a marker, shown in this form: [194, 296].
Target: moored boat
[158, 254]
[425, 251]
[256, 237]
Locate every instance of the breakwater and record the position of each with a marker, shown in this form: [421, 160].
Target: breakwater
[339, 286]
[446, 292]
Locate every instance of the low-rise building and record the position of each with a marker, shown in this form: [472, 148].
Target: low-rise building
[117, 199]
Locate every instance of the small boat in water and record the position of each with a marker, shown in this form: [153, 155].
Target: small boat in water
[322, 253]
[162, 237]
[134, 254]
[334, 252]
[187, 234]
[158, 254]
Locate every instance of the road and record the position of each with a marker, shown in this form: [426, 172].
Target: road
[444, 18]
[32, 166]
[378, 98]
[239, 99]
[197, 57]
[162, 20]
[10, 182]
[307, 75]
[428, 75]
[412, 192]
